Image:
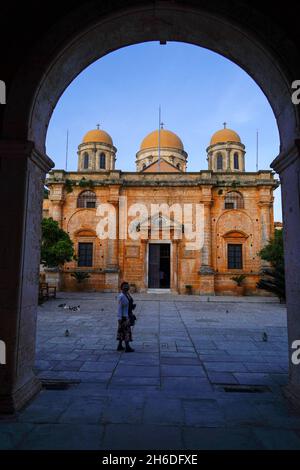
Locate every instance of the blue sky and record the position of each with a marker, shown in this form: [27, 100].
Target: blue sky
[197, 89]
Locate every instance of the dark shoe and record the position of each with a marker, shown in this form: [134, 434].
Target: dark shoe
[129, 349]
[120, 348]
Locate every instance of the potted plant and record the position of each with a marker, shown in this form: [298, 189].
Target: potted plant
[189, 289]
[239, 283]
[80, 277]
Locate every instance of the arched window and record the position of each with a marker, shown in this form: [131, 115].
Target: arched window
[219, 161]
[144, 166]
[178, 166]
[236, 161]
[86, 160]
[87, 199]
[102, 161]
[234, 200]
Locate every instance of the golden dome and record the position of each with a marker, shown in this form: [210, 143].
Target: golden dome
[97, 135]
[167, 140]
[225, 135]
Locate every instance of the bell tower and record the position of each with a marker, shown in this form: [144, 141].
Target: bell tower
[96, 152]
[226, 151]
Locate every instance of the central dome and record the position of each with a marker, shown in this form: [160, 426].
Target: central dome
[97, 135]
[167, 140]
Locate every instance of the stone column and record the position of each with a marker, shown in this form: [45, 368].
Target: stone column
[112, 260]
[265, 221]
[113, 245]
[228, 160]
[288, 167]
[206, 271]
[56, 211]
[22, 174]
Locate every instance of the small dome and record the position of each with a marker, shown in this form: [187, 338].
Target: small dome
[97, 135]
[167, 140]
[225, 135]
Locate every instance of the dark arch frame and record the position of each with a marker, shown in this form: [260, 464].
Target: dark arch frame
[168, 21]
[250, 38]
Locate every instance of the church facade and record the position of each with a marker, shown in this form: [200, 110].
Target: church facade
[149, 243]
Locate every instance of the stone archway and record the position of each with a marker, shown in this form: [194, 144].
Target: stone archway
[73, 43]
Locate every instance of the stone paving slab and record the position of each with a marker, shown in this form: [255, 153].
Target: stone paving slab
[141, 437]
[170, 392]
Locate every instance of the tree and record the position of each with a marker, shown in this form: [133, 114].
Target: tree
[57, 247]
[273, 279]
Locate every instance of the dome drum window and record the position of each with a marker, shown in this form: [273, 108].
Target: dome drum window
[219, 161]
[86, 161]
[102, 161]
[87, 200]
[234, 200]
[236, 161]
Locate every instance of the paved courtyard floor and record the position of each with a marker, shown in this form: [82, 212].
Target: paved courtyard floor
[201, 377]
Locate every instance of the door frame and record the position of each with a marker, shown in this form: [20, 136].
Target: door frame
[159, 242]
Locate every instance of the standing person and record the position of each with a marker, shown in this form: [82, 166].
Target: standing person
[124, 328]
[131, 307]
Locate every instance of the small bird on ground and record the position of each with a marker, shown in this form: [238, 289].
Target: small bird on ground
[227, 311]
[69, 307]
[75, 309]
[67, 333]
[264, 337]
[61, 305]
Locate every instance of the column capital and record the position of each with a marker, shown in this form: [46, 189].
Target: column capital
[206, 270]
[207, 202]
[266, 204]
[17, 149]
[287, 158]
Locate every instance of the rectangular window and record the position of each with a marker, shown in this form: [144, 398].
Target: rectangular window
[236, 161]
[85, 254]
[219, 162]
[235, 256]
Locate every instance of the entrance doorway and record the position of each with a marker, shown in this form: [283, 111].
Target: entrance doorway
[159, 266]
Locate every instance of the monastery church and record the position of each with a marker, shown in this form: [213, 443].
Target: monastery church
[237, 212]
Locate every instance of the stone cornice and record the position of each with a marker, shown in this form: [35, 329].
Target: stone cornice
[286, 158]
[193, 179]
[20, 149]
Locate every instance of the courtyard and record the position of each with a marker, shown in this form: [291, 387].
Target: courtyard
[207, 373]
